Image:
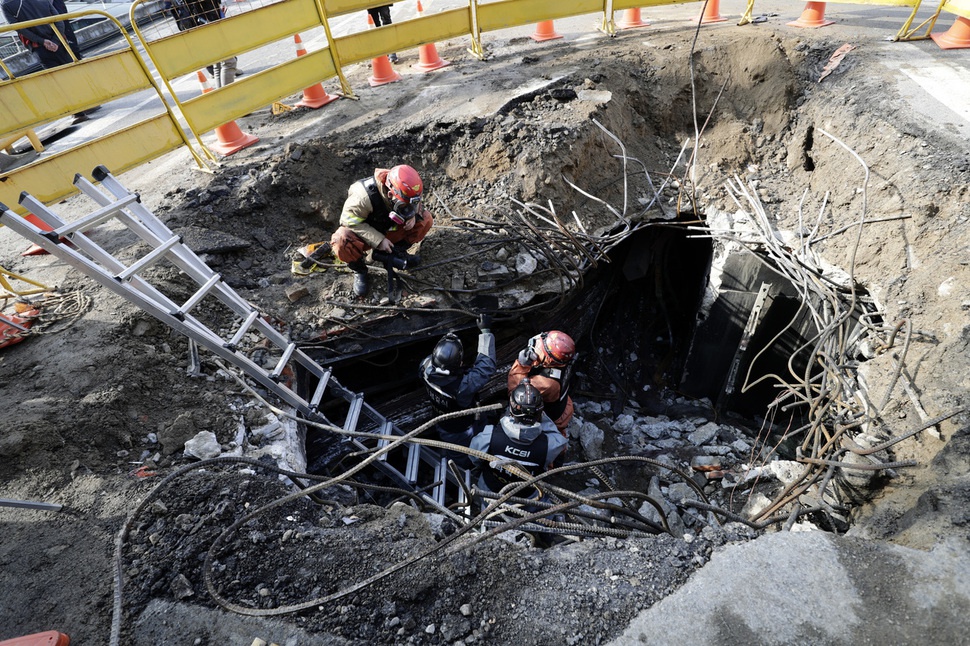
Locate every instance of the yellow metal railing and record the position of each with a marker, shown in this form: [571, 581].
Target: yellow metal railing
[36, 99]
[908, 32]
[10, 291]
[29, 101]
[192, 50]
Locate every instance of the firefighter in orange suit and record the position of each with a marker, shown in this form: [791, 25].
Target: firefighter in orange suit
[548, 362]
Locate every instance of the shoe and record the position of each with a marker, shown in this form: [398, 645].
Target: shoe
[361, 280]
[392, 58]
[361, 283]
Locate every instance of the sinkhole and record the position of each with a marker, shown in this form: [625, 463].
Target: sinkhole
[671, 319]
[665, 326]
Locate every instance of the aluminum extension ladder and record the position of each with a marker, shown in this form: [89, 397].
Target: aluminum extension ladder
[410, 466]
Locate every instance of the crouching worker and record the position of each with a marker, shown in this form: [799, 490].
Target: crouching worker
[524, 435]
[383, 213]
[452, 387]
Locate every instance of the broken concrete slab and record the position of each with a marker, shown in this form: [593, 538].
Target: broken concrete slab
[814, 587]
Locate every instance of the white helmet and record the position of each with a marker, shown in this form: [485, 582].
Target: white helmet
[521, 431]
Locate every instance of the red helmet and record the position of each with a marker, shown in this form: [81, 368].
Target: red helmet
[404, 188]
[558, 348]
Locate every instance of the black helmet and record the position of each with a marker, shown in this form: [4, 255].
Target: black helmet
[448, 353]
[525, 402]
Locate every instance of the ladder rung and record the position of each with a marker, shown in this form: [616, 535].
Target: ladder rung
[386, 429]
[414, 460]
[198, 296]
[233, 344]
[321, 387]
[287, 353]
[467, 477]
[96, 218]
[350, 424]
[150, 258]
[441, 476]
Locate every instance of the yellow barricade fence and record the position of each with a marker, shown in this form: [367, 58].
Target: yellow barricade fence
[907, 32]
[961, 8]
[958, 7]
[36, 99]
[186, 52]
[399, 36]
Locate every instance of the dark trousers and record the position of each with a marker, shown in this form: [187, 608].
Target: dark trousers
[53, 59]
[381, 15]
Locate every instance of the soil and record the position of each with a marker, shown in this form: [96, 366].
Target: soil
[104, 391]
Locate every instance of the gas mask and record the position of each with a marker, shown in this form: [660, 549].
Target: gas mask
[404, 211]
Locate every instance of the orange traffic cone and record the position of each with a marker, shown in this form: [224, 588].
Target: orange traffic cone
[631, 20]
[812, 17]
[545, 30]
[36, 250]
[712, 12]
[230, 138]
[383, 72]
[428, 58]
[316, 96]
[956, 37]
[381, 66]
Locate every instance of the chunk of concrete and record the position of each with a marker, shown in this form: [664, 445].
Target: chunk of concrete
[296, 292]
[203, 446]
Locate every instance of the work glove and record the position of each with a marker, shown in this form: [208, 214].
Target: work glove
[484, 322]
[528, 357]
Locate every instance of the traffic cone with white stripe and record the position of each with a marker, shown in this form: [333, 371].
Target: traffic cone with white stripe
[631, 20]
[315, 96]
[812, 17]
[428, 58]
[383, 73]
[230, 138]
[545, 30]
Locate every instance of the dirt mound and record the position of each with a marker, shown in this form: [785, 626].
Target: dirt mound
[90, 404]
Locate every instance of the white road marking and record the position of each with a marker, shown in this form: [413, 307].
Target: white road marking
[944, 82]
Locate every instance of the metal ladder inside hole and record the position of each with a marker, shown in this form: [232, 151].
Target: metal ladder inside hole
[409, 466]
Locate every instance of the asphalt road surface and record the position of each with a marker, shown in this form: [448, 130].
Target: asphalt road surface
[938, 84]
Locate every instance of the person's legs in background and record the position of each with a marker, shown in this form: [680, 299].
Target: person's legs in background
[224, 72]
[382, 17]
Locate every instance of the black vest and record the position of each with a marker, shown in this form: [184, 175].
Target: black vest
[378, 218]
[443, 393]
[563, 376]
[531, 456]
